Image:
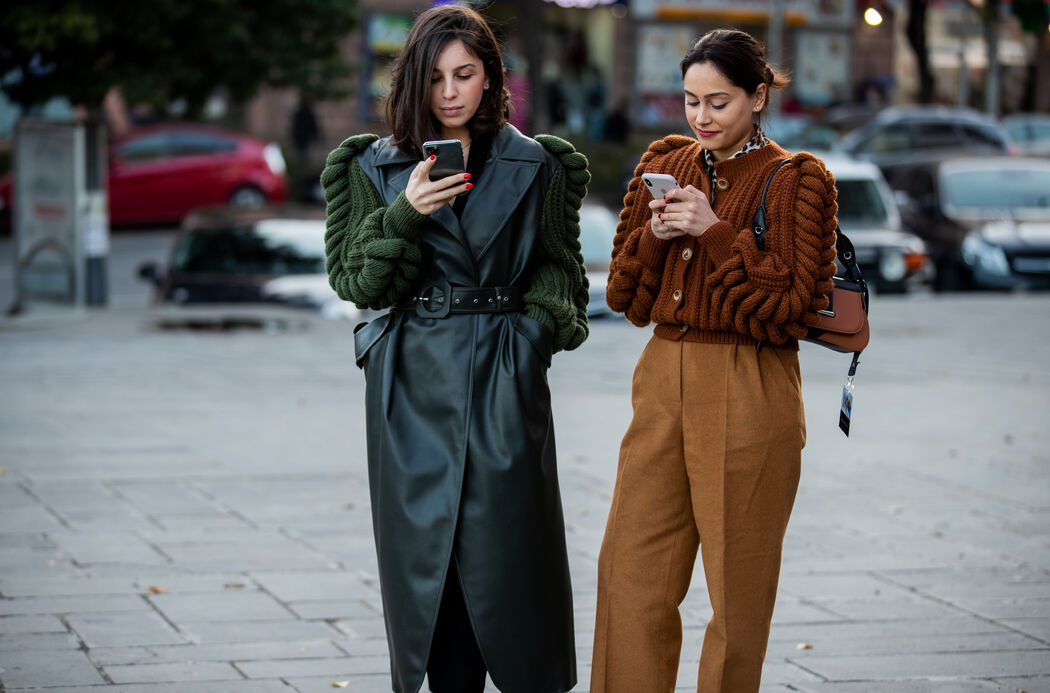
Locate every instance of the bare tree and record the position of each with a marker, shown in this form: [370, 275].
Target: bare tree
[917, 38]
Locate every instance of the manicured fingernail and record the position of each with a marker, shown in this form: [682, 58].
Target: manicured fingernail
[466, 176]
[470, 186]
[432, 157]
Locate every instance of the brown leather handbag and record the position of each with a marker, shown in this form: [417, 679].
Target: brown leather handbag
[843, 325]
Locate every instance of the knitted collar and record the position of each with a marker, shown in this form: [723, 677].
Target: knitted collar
[756, 142]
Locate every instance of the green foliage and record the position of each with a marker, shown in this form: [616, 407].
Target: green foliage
[162, 50]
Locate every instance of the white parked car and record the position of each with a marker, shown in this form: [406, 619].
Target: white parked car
[890, 258]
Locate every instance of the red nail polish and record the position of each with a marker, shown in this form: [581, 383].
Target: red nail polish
[432, 157]
[466, 176]
[470, 186]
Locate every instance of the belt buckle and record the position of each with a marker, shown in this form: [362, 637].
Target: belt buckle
[434, 300]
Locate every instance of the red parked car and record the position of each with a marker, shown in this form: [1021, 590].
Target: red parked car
[159, 173]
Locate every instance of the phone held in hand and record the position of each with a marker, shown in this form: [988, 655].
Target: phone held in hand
[449, 155]
[659, 184]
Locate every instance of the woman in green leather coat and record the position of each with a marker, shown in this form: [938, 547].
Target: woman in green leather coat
[483, 274]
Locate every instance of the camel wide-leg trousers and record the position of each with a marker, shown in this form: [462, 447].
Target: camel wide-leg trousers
[711, 458]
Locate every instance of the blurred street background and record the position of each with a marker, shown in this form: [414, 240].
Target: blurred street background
[183, 495]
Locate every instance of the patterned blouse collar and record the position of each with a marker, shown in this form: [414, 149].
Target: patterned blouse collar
[756, 142]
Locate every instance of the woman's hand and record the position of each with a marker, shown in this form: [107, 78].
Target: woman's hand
[428, 196]
[684, 211]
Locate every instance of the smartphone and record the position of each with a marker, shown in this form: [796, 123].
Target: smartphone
[449, 155]
[659, 184]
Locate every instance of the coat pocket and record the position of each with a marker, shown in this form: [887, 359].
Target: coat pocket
[541, 339]
[366, 334]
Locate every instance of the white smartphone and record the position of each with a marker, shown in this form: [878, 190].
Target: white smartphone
[659, 184]
[449, 155]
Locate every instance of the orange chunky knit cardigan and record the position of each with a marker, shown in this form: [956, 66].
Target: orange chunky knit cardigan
[719, 287]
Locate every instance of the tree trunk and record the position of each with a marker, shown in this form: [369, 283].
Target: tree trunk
[990, 17]
[917, 38]
[1042, 72]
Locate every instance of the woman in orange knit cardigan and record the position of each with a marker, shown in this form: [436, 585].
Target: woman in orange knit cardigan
[712, 455]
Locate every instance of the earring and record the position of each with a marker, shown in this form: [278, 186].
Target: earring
[486, 85]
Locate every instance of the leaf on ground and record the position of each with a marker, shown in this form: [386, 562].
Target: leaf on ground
[803, 646]
[3, 470]
[340, 684]
[234, 585]
[896, 510]
[156, 589]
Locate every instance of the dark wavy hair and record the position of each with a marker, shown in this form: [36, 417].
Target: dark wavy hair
[408, 104]
[738, 56]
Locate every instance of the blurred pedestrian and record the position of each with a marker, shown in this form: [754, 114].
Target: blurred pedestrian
[711, 458]
[483, 274]
[305, 130]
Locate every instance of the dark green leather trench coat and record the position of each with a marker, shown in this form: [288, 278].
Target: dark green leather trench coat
[461, 453]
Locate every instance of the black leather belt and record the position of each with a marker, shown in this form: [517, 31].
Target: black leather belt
[437, 299]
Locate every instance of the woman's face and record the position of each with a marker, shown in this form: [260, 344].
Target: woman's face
[719, 112]
[457, 86]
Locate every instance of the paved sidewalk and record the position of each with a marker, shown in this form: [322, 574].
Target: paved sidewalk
[188, 511]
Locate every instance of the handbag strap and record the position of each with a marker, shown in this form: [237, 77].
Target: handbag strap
[843, 245]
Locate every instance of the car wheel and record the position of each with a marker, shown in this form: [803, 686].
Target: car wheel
[247, 196]
[952, 275]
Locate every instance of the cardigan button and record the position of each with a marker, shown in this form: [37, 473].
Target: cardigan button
[722, 183]
[677, 295]
[687, 253]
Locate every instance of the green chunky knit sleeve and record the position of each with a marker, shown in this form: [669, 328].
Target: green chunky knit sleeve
[372, 252]
[557, 290]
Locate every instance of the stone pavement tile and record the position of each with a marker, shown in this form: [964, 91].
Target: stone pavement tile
[178, 582]
[1036, 627]
[211, 520]
[241, 686]
[936, 686]
[253, 551]
[362, 627]
[13, 625]
[1006, 607]
[163, 497]
[258, 631]
[41, 585]
[77, 604]
[230, 605]
[885, 644]
[222, 652]
[361, 647]
[928, 665]
[887, 606]
[813, 587]
[876, 629]
[39, 641]
[343, 667]
[788, 610]
[124, 547]
[332, 609]
[355, 684]
[1028, 684]
[101, 630]
[172, 671]
[35, 518]
[42, 668]
[990, 581]
[313, 585]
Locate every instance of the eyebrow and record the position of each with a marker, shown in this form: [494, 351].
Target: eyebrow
[707, 96]
[461, 67]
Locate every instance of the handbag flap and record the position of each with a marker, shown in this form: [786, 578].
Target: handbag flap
[845, 314]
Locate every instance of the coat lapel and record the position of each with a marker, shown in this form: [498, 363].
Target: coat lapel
[513, 163]
[397, 181]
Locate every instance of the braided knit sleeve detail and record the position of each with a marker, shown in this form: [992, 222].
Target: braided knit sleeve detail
[558, 290]
[372, 252]
[638, 256]
[773, 295]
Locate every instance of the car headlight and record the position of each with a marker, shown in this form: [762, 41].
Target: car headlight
[274, 159]
[891, 266]
[978, 253]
